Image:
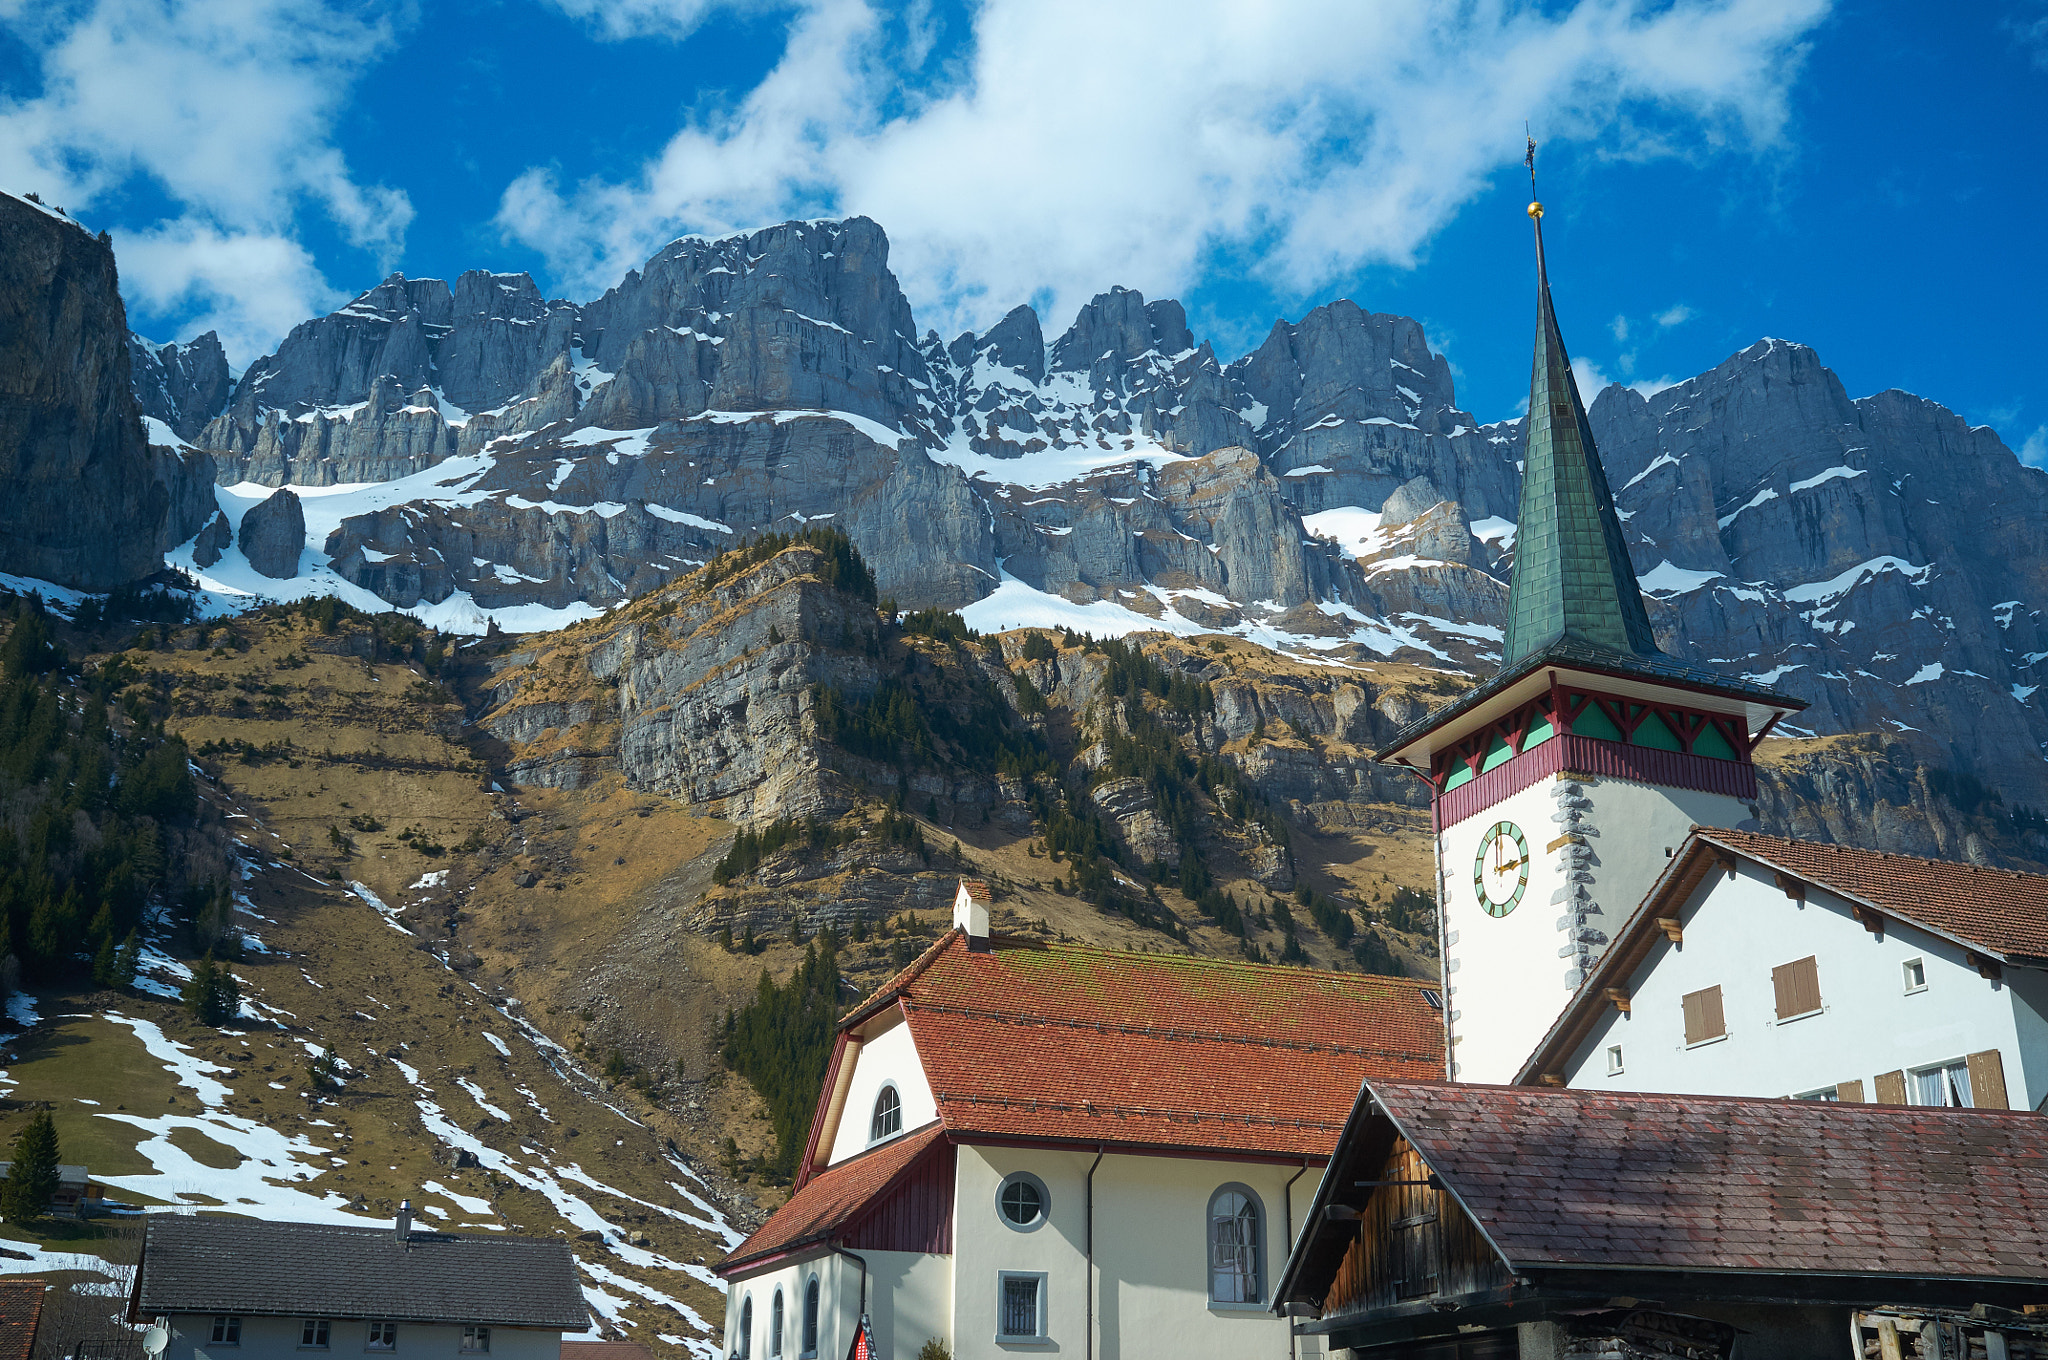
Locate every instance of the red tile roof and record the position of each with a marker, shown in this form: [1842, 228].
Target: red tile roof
[1619, 1180]
[1061, 1042]
[1996, 910]
[1999, 909]
[21, 1309]
[832, 1197]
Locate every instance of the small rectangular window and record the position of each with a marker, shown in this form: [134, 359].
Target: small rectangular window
[1915, 971]
[1824, 1093]
[227, 1330]
[1798, 987]
[476, 1341]
[1613, 1059]
[383, 1337]
[1703, 1019]
[1020, 1306]
[313, 1334]
[1948, 1084]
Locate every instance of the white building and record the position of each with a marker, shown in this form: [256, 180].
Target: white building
[235, 1288]
[1024, 1147]
[1772, 967]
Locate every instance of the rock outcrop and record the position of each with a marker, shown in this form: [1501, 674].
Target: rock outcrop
[274, 534]
[184, 386]
[82, 506]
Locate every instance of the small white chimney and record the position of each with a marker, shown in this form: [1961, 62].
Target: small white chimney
[404, 1219]
[970, 912]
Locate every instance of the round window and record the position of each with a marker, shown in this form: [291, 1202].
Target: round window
[1021, 1200]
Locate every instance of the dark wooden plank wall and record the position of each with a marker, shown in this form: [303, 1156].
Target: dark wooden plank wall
[917, 1215]
[1412, 1243]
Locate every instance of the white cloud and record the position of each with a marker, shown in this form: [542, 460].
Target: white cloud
[1073, 145]
[2034, 452]
[227, 107]
[621, 19]
[1620, 329]
[1676, 316]
[250, 287]
[1592, 379]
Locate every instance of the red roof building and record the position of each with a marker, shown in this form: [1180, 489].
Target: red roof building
[1052, 1144]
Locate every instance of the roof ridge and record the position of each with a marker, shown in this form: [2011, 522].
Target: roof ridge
[863, 1009]
[1207, 961]
[1776, 1102]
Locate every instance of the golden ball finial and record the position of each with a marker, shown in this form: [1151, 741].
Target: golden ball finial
[1535, 210]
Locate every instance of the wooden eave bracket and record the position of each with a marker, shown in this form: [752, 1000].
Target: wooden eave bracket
[1792, 887]
[1872, 919]
[1551, 1079]
[1673, 929]
[1986, 966]
[1619, 996]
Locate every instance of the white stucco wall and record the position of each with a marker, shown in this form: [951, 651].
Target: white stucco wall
[910, 1300]
[1508, 978]
[192, 1333]
[1736, 931]
[889, 1057]
[1151, 1254]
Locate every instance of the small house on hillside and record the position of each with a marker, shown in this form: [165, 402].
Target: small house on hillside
[75, 1195]
[236, 1287]
[1758, 965]
[1023, 1145]
[1493, 1222]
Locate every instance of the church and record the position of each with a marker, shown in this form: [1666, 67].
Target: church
[1713, 1092]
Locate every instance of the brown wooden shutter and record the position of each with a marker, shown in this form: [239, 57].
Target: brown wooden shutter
[1891, 1088]
[1987, 1080]
[1703, 1020]
[1798, 987]
[1849, 1092]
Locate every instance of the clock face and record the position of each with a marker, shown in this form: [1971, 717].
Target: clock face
[1500, 871]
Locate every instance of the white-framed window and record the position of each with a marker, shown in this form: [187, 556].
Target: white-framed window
[746, 1336]
[1022, 1202]
[775, 1323]
[810, 1331]
[1021, 1306]
[1614, 1060]
[1946, 1084]
[227, 1330]
[382, 1336]
[1824, 1093]
[888, 1120]
[1237, 1240]
[476, 1341]
[313, 1334]
[1914, 975]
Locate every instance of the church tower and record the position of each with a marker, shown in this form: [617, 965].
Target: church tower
[1557, 786]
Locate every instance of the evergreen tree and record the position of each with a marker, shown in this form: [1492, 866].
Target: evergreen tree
[213, 996]
[105, 961]
[32, 1180]
[127, 961]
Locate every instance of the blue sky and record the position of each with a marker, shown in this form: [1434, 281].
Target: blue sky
[1861, 177]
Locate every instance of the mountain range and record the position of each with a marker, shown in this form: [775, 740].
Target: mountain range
[480, 453]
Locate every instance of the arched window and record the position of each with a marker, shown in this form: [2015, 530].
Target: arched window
[746, 1337]
[1236, 1243]
[888, 1115]
[775, 1324]
[811, 1317]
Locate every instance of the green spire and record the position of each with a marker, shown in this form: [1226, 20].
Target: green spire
[1572, 579]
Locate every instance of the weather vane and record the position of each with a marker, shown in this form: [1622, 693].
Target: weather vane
[1535, 207]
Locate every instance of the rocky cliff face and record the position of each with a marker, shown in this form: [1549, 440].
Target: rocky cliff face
[183, 386]
[1324, 494]
[83, 505]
